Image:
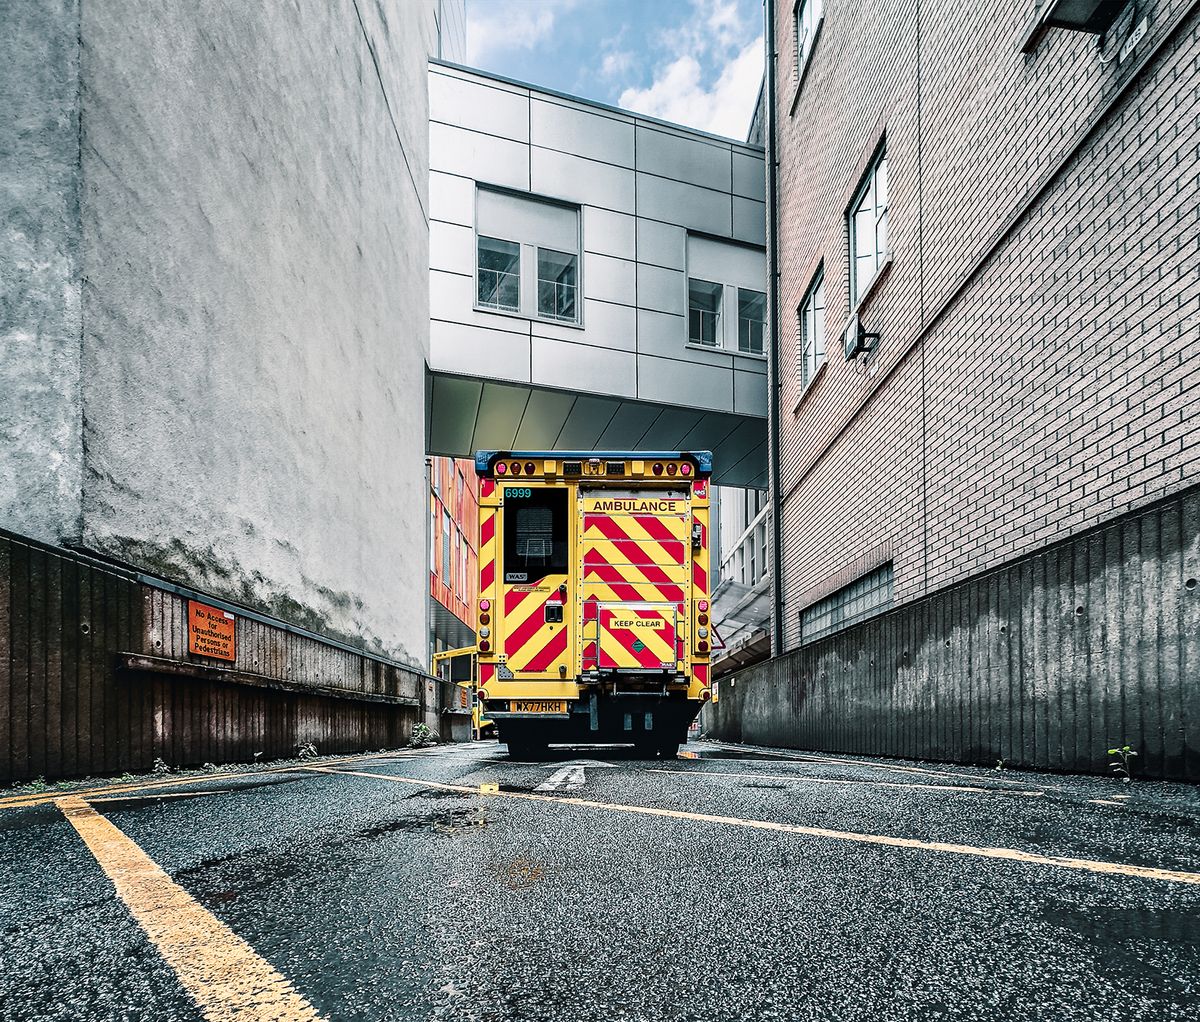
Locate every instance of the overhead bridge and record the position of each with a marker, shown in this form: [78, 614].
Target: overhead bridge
[597, 279]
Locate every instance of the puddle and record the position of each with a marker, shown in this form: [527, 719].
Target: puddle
[456, 821]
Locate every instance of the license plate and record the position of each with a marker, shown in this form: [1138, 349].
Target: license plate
[539, 706]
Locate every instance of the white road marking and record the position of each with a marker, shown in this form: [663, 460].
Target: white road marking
[568, 778]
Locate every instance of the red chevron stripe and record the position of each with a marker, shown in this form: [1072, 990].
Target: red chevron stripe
[513, 598]
[515, 640]
[701, 673]
[657, 528]
[550, 652]
[487, 575]
[614, 580]
[646, 658]
[486, 673]
[487, 487]
[487, 530]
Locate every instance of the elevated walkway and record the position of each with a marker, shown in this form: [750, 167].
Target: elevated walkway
[597, 278]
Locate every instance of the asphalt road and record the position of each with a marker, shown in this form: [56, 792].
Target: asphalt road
[724, 885]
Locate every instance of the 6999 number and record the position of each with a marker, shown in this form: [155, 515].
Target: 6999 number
[517, 491]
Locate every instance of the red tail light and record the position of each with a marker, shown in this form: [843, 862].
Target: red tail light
[484, 645]
[529, 468]
[501, 469]
[485, 604]
[685, 469]
[516, 468]
[657, 469]
[705, 695]
[702, 646]
[703, 604]
[483, 693]
[672, 469]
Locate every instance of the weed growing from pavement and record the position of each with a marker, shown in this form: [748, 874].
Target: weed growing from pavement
[1122, 764]
[307, 751]
[423, 736]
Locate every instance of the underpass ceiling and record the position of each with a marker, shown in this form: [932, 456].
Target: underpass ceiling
[465, 415]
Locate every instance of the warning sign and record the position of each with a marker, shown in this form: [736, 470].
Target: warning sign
[211, 631]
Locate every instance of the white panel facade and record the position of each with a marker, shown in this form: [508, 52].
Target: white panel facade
[612, 326]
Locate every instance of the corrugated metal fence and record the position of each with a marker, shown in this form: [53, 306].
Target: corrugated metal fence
[95, 678]
[1045, 663]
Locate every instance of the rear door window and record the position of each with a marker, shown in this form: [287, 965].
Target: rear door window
[535, 533]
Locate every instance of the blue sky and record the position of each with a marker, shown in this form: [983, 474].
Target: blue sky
[696, 62]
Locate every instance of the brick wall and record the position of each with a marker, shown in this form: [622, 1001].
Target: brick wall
[1032, 377]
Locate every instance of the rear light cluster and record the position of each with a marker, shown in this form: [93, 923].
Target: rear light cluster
[484, 619]
[516, 468]
[671, 468]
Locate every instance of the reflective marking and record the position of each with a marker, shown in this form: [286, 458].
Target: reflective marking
[834, 780]
[567, 778]
[226, 977]
[1010, 854]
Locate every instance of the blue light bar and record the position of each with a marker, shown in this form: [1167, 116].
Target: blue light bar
[484, 460]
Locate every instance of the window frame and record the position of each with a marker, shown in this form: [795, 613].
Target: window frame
[479, 302]
[527, 261]
[868, 186]
[802, 55]
[447, 563]
[718, 326]
[550, 317]
[806, 369]
[762, 323]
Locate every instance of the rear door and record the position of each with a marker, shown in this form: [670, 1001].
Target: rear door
[635, 555]
[535, 552]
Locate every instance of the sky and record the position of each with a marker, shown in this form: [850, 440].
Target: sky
[695, 62]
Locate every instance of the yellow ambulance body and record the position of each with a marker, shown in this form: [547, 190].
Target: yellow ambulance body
[593, 596]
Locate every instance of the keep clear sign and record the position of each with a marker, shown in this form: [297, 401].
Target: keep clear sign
[211, 631]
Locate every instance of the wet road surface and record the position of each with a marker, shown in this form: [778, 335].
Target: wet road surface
[728, 884]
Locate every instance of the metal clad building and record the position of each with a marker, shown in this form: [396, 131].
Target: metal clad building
[596, 278]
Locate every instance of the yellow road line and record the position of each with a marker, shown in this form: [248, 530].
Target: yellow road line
[814, 758]
[45, 797]
[1010, 854]
[800, 779]
[227, 978]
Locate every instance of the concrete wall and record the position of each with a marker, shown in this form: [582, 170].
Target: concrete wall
[40, 318]
[1045, 663]
[252, 251]
[1036, 371]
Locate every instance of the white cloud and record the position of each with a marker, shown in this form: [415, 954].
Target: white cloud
[495, 26]
[679, 93]
[615, 63]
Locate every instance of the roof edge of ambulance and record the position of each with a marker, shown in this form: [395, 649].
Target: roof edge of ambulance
[485, 459]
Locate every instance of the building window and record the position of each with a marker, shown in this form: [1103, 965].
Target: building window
[499, 274]
[557, 285]
[459, 491]
[868, 226]
[805, 19]
[541, 245]
[812, 330]
[462, 567]
[752, 313]
[446, 547]
[432, 535]
[704, 313]
[863, 598]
